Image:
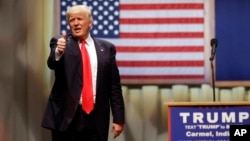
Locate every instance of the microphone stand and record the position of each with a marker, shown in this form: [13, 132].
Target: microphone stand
[213, 81]
[214, 43]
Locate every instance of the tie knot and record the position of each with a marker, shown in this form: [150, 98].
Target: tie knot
[83, 41]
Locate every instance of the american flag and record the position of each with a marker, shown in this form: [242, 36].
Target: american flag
[157, 41]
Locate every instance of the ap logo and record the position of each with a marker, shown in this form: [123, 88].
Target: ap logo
[239, 132]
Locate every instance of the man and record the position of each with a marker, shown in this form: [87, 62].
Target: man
[65, 115]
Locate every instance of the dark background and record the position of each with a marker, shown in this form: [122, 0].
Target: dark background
[232, 26]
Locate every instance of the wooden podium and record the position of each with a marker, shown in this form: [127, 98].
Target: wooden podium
[206, 121]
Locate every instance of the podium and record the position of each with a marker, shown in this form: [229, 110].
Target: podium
[190, 121]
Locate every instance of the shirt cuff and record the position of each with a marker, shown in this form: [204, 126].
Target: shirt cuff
[58, 55]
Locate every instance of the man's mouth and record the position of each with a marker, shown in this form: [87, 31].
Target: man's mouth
[77, 30]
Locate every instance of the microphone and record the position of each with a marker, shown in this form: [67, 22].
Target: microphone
[214, 44]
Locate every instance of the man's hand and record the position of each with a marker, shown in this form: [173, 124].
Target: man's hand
[61, 43]
[117, 129]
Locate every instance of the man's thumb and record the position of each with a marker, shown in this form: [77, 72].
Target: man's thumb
[64, 35]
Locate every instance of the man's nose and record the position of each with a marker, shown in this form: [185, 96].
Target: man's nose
[76, 22]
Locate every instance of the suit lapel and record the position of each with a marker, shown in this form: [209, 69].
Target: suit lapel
[100, 54]
[72, 58]
[73, 46]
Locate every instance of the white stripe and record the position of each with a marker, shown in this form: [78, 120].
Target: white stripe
[133, 28]
[160, 56]
[161, 71]
[161, 13]
[158, 42]
[159, 1]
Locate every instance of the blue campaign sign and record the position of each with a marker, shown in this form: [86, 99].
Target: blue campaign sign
[205, 123]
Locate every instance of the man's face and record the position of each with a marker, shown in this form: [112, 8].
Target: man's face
[79, 24]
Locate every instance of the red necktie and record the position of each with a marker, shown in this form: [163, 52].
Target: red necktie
[87, 90]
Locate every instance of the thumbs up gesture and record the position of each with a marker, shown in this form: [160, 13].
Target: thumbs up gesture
[61, 43]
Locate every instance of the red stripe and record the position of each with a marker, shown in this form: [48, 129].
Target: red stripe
[161, 6]
[145, 77]
[163, 35]
[160, 49]
[160, 63]
[161, 21]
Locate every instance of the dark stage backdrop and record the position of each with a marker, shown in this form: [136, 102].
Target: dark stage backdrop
[233, 33]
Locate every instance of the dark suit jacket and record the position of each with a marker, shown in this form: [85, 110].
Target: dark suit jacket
[65, 94]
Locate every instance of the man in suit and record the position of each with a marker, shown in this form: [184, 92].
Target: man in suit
[64, 114]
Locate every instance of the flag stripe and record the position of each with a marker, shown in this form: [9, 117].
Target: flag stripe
[163, 77]
[153, 56]
[160, 49]
[158, 42]
[154, 6]
[162, 21]
[161, 63]
[162, 70]
[161, 14]
[162, 35]
[161, 28]
[161, 1]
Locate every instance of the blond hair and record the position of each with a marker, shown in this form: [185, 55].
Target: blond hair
[79, 8]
